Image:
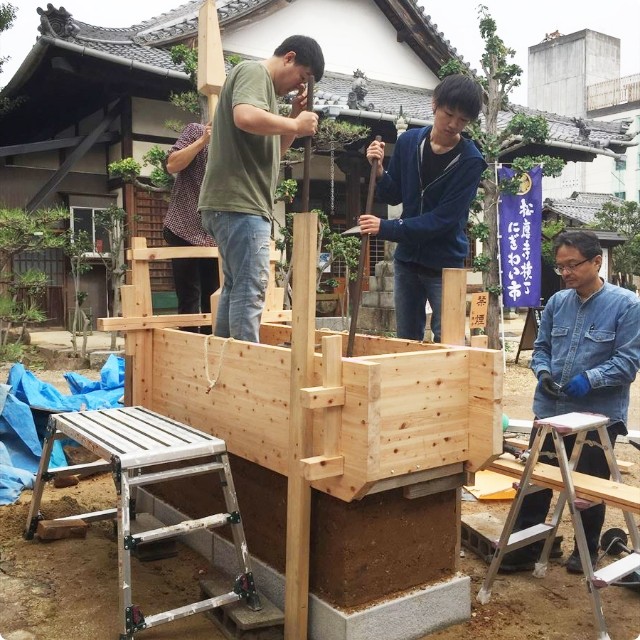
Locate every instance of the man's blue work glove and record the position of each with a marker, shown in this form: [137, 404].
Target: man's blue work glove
[547, 385]
[578, 386]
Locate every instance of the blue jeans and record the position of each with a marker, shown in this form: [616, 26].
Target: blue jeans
[411, 292]
[243, 242]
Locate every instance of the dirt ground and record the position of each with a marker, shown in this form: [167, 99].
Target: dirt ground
[67, 589]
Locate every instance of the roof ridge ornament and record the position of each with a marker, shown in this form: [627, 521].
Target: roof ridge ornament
[57, 22]
[359, 90]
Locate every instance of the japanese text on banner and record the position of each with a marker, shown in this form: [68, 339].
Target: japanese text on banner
[521, 239]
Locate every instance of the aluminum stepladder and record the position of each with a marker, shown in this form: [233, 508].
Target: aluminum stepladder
[560, 426]
[141, 447]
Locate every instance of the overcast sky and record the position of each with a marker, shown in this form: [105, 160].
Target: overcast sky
[520, 24]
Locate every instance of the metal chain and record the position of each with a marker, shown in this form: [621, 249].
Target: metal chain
[332, 175]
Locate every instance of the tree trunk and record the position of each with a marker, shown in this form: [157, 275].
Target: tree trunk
[491, 278]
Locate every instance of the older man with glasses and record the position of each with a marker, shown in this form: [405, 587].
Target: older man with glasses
[585, 357]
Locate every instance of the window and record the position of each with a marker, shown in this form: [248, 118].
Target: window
[83, 219]
[621, 164]
[620, 194]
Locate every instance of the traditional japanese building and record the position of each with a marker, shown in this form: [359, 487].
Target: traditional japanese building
[87, 95]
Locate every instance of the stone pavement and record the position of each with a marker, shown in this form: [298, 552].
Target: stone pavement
[55, 347]
[97, 340]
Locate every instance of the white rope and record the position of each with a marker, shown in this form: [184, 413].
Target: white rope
[212, 383]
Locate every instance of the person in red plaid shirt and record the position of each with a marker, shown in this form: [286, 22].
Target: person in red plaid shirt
[195, 278]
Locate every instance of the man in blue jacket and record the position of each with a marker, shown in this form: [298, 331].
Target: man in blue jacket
[434, 172]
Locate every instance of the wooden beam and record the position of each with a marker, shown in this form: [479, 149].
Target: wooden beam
[480, 342]
[167, 253]
[52, 145]
[211, 73]
[322, 397]
[78, 153]
[332, 379]
[591, 488]
[143, 356]
[296, 611]
[438, 485]
[454, 300]
[320, 467]
[276, 315]
[133, 323]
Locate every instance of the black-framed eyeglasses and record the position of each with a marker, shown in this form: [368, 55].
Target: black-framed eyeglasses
[569, 268]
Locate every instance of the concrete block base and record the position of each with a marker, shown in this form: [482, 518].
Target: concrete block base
[410, 616]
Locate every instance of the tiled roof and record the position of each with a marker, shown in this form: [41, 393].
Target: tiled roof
[141, 43]
[581, 207]
[387, 98]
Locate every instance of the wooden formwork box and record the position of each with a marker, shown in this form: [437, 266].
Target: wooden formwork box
[396, 414]
[405, 408]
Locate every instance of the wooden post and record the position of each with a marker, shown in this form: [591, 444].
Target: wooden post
[211, 76]
[454, 300]
[296, 611]
[332, 377]
[142, 348]
[211, 73]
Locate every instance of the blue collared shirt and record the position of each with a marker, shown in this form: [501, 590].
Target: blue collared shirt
[599, 337]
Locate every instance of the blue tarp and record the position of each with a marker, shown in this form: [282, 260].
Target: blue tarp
[20, 440]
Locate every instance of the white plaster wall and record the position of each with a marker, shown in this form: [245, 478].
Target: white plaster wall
[572, 179]
[149, 117]
[139, 150]
[357, 27]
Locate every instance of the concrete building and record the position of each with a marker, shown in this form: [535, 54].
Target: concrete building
[578, 75]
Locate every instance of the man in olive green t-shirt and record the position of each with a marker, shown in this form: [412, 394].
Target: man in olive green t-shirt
[236, 199]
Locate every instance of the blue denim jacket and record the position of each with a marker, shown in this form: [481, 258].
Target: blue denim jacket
[599, 337]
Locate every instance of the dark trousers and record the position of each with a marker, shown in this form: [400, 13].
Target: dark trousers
[195, 279]
[593, 462]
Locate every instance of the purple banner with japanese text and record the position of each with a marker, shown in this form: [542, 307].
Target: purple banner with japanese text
[520, 231]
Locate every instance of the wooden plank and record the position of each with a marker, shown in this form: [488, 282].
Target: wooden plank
[154, 322]
[454, 300]
[424, 413]
[167, 253]
[322, 397]
[614, 494]
[305, 232]
[480, 342]
[319, 467]
[277, 315]
[331, 379]
[624, 466]
[438, 485]
[485, 407]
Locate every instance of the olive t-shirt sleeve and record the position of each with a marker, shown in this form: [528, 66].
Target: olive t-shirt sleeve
[250, 87]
